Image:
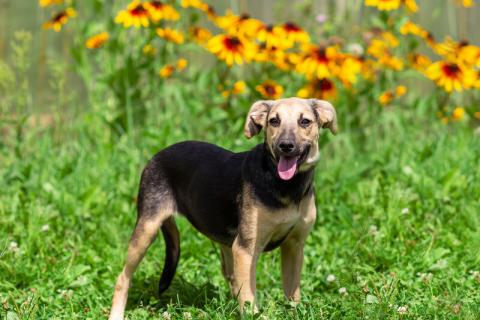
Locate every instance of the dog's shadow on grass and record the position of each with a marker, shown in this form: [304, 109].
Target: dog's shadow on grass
[145, 293]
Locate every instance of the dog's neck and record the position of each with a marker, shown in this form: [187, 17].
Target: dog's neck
[274, 192]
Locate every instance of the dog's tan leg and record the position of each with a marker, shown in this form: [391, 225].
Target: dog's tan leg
[227, 265]
[244, 273]
[144, 234]
[292, 260]
[292, 250]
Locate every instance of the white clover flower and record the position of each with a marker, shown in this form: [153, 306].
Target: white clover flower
[402, 310]
[331, 278]
[45, 228]
[187, 315]
[166, 315]
[343, 291]
[405, 210]
[373, 230]
[14, 247]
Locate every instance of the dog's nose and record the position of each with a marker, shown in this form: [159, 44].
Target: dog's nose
[286, 146]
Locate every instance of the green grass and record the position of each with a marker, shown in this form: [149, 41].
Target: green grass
[82, 183]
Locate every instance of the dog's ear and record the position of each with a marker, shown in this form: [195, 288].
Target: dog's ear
[326, 114]
[257, 118]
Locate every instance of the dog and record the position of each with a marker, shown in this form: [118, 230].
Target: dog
[248, 202]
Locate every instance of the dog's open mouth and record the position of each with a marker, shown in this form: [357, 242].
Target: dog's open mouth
[287, 166]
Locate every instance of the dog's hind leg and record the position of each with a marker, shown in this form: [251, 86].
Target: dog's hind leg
[155, 211]
[227, 265]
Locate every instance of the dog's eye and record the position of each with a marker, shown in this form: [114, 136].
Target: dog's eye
[274, 122]
[305, 122]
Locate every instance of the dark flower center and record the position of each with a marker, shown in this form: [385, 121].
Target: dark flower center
[324, 85]
[451, 70]
[269, 89]
[138, 10]
[321, 55]
[291, 27]
[59, 16]
[232, 43]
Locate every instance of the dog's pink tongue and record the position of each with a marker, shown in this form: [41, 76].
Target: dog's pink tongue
[286, 167]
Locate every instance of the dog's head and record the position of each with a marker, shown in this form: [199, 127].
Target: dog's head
[292, 127]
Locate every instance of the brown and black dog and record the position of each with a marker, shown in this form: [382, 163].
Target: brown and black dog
[248, 202]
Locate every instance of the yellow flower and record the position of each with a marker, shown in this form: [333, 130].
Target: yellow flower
[231, 49]
[181, 64]
[270, 89]
[391, 62]
[400, 91]
[458, 113]
[135, 15]
[273, 37]
[384, 5]
[240, 26]
[197, 4]
[294, 33]
[97, 40]
[411, 5]
[200, 35]
[239, 87]
[348, 70]
[390, 39]
[466, 3]
[45, 3]
[161, 11]
[59, 19]
[149, 50]
[411, 28]
[477, 115]
[319, 88]
[386, 97]
[171, 35]
[167, 71]
[451, 76]
[318, 61]
[420, 62]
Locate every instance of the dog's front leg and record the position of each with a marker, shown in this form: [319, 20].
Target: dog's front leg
[292, 249]
[244, 272]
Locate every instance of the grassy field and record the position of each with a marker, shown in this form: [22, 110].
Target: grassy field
[397, 235]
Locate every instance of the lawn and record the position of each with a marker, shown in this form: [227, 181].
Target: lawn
[397, 234]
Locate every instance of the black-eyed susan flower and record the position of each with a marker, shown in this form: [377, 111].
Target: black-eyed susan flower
[238, 25]
[400, 91]
[197, 4]
[419, 62]
[461, 52]
[391, 62]
[294, 33]
[270, 89]
[386, 97]
[231, 49]
[97, 41]
[384, 5]
[166, 71]
[157, 10]
[45, 3]
[411, 5]
[171, 35]
[451, 76]
[200, 35]
[319, 88]
[347, 69]
[411, 28]
[135, 15]
[59, 19]
[318, 61]
[273, 37]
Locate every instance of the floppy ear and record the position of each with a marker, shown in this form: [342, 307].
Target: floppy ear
[327, 117]
[257, 118]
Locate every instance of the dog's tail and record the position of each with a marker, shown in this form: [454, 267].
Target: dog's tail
[172, 253]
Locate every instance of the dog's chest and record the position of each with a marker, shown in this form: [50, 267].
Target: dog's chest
[282, 222]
